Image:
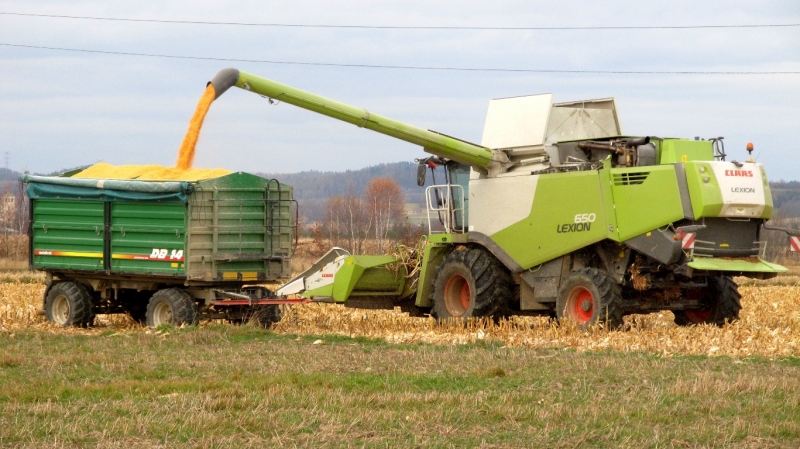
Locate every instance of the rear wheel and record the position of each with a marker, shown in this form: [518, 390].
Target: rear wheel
[723, 303]
[171, 306]
[470, 282]
[69, 304]
[590, 296]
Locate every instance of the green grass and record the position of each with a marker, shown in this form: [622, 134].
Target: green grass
[225, 386]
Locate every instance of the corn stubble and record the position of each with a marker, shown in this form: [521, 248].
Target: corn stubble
[769, 325]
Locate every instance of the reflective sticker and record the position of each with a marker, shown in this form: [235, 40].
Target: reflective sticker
[794, 244]
[687, 241]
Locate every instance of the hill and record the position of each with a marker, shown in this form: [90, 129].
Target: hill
[313, 188]
[317, 184]
[9, 175]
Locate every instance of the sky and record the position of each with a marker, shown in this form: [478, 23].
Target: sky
[61, 109]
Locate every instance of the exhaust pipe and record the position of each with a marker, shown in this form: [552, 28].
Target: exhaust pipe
[633, 143]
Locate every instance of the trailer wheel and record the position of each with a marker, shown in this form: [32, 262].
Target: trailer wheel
[590, 296]
[171, 306]
[69, 304]
[725, 302]
[470, 282]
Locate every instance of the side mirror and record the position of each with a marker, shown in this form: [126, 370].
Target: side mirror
[422, 171]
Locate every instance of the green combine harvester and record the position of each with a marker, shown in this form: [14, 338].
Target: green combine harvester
[555, 213]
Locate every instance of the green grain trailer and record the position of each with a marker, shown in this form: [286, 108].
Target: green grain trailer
[165, 252]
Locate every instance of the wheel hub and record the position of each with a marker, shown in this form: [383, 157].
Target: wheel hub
[60, 310]
[457, 295]
[162, 314]
[580, 305]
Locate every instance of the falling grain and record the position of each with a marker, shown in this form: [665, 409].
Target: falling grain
[186, 152]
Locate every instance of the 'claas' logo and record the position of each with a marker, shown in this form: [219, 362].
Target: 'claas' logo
[740, 173]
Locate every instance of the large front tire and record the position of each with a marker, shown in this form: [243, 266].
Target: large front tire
[470, 282]
[69, 304]
[590, 296]
[723, 304]
[171, 306]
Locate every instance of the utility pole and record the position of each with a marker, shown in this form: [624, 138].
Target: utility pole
[6, 160]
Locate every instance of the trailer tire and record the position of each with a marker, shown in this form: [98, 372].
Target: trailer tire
[589, 296]
[470, 282]
[69, 304]
[725, 304]
[171, 306]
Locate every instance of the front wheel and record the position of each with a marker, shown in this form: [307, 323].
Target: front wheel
[171, 306]
[470, 282]
[590, 296]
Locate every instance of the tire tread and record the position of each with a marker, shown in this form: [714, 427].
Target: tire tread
[492, 282]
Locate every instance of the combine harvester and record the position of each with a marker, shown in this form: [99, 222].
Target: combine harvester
[556, 213]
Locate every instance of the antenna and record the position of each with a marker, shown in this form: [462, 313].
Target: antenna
[6, 160]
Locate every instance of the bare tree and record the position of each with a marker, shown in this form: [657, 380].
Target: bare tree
[385, 205]
[369, 225]
[346, 223]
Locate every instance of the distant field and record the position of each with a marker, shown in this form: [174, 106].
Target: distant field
[381, 379]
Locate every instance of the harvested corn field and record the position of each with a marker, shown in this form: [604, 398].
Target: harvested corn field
[769, 325]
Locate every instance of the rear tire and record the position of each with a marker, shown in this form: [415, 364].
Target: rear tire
[725, 302]
[590, 296]
[470, 282]
[69, 304]
[171, 306]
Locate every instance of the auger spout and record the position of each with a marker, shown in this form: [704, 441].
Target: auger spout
[441, 145]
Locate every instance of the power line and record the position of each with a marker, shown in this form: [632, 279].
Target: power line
[410, 67]
[404, 27]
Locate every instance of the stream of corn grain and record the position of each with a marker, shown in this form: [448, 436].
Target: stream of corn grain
[186, 153]
[182, 171]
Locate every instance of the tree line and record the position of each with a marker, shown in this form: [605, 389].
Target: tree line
[370, 223]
